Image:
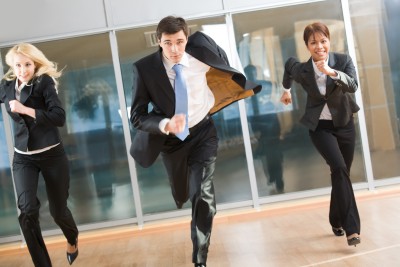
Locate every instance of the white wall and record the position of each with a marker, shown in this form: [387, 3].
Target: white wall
[126, 12]
[27, 20]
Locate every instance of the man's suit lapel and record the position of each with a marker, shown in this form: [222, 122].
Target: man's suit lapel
[163, 80]
[203, 48]
[204, 55]
[226, 83]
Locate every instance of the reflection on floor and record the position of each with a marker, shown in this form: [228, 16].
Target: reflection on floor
[294, 233]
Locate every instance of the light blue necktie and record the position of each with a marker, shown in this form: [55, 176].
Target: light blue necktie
[181, 99]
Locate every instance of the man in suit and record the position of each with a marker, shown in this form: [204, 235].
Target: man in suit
[210, 84]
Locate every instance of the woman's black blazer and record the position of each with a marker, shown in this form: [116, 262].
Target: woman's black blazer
[41, 95]
[338, 95]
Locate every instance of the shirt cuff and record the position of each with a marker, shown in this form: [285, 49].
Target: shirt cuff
[162, 125]
[335, 77]
[287, 90]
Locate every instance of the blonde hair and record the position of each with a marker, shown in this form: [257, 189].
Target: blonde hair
[42, 64]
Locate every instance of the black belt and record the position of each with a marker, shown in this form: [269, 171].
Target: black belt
[200, 124]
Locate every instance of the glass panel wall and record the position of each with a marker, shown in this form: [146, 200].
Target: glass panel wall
[8, 209]
[284, 158]
[377, 47]
[231, 176]
[100, 187]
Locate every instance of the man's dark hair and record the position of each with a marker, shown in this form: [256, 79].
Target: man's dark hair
[171, 25]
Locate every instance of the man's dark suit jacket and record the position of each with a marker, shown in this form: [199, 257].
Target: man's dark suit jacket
[151, 85]
[41, 95]
[340, 102]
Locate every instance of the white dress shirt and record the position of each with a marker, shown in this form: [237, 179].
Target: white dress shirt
[320, 78]
[200, 97]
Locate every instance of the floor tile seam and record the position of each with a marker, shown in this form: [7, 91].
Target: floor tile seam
[353, 255]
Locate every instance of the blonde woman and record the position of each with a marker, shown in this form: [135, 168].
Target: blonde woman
[29, 92]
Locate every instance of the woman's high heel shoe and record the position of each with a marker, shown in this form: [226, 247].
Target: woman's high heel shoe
[72, 256]
[338, 231]
[353, 240]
